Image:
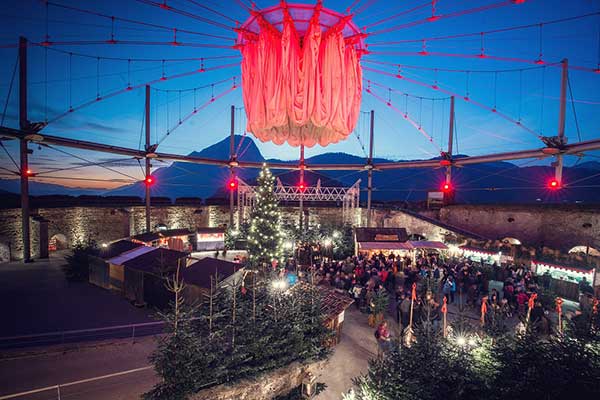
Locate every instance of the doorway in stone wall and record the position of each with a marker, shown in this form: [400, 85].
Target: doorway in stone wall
[58, 242]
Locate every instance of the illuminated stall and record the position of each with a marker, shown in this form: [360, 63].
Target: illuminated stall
[481, 255]
[209, 239]
[564, 272]
[370, 241]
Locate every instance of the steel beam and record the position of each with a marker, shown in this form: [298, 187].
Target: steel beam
[24, 151]
[370, 171]
[575, 148]
[148, 170]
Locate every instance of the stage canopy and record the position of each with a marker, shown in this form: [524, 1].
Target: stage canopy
[301, 75]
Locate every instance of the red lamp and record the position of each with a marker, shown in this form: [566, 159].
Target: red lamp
[553, 184]
[447, 187]
[150, 180]
[232, 184]
[302, 186]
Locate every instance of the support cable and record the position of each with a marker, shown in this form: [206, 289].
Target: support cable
[135, 22]
[87, 161]
[125, 90]
[499, 30]
[400, 14]
[445, 16]
[185, 14]
[194, 112]
[451, 93]
[573, 107]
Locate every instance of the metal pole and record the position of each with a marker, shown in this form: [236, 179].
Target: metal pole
[301, 192]
[448, 197]
[561, 119]
[370, 173]
[231, 159]
[148, 198]
[450, 140]
[24, 151]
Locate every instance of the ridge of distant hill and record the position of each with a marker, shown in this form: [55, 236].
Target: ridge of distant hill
[495, 182]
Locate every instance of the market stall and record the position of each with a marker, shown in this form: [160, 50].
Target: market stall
[384, 241]
[209, 239]
[481, 255]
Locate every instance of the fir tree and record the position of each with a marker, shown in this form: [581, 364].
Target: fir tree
[431, 368]
[176, 358]
[265, 238]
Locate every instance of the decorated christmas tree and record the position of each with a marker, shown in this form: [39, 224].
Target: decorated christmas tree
[265, 238]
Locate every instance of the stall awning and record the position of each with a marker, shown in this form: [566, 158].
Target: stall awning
[385, 246]
[583, 270]
[476, 250]
[426, 244]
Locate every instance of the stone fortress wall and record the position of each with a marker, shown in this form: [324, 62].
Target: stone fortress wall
[559, 227]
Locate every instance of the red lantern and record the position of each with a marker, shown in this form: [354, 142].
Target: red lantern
[232, 183]
[553, 184]
[149, 181]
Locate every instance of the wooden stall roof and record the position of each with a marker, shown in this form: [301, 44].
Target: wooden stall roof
[157, 262]
[122, 258]
[200, 272]
[381, 234]
[428, 244]
[333, 303]
[146, 237]
[385, 246]
[118, 247]
[210, 230]
[175, 232]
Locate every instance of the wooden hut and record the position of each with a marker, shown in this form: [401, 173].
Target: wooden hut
[145, 276]
[197, 276]
[99, 265]
[381, 240]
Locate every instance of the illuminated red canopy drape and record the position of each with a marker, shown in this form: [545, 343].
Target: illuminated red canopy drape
[301, 75]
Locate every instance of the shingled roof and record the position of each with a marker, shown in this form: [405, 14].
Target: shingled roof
[381, 234]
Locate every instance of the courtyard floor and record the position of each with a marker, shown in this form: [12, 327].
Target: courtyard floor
[36, 298]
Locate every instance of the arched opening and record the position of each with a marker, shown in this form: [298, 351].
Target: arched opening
[58, 242]
[416, 237]
[511, 240]
[587, 250]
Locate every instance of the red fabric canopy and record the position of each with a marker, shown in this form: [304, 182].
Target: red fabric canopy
[301, 84]
[385, 246]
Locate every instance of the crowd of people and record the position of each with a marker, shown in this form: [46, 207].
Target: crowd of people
[462, 282]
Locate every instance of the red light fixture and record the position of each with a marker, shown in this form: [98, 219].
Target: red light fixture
[29, 172]
[446, 187]
[302, 186]
[149, 181]
[553, 184]
[232, 183]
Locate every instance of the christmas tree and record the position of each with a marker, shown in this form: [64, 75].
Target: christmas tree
[265, 239]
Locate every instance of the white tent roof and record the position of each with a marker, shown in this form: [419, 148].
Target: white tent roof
[131, 254]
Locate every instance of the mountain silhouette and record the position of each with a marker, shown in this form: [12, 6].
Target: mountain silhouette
[495, 182]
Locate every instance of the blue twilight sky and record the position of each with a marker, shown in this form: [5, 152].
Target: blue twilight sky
[58, 80]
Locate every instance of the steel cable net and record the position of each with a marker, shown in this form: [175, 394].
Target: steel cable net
[301, 74]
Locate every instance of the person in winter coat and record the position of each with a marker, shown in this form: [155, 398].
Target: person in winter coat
[384, 339]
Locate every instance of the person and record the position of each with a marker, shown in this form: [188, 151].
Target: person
[382, 334]
[405, 310]
[449, 289]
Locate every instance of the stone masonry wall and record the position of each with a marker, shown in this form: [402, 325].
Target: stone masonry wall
[557, 227]
[265, 387]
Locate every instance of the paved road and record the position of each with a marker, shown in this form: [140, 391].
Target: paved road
[35, 298]
[27, 373]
